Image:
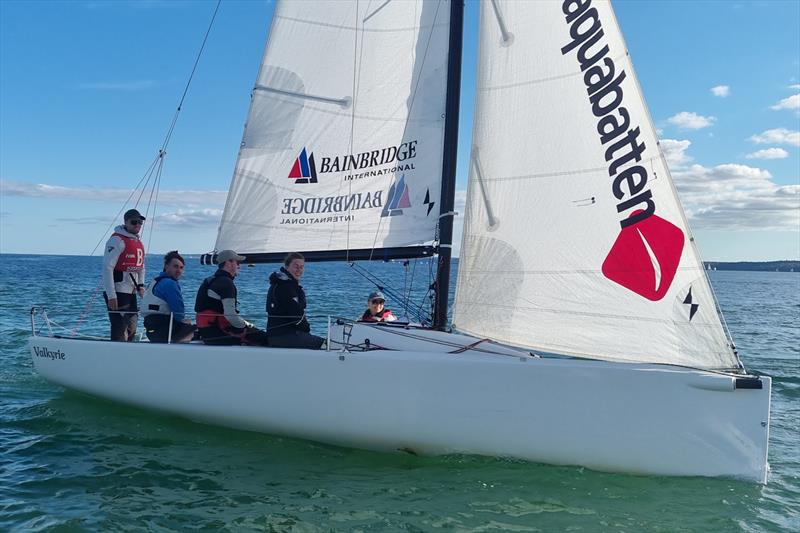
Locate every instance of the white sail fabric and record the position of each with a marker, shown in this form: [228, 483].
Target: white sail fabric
[574, 239]
[343, 143]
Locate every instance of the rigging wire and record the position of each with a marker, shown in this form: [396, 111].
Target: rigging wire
[380, 284]
[163, 151]
[156, 167]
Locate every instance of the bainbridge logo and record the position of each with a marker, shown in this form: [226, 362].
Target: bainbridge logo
[645, 256]
[397, 199]
[304, 170]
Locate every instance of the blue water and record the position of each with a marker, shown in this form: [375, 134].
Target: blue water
[70, 462]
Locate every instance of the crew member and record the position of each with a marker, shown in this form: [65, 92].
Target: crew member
[376, 309]
[163, 304]
[287, 325]
[218, 320]
[123, 276]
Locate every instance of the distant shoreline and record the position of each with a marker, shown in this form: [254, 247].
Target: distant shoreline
[751, 266]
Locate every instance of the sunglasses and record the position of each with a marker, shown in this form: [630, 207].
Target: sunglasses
[378, 301]
[136, 222]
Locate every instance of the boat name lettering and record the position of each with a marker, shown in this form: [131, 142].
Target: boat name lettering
[604, 87]
[374, 158]
[46, 353]
[332, 204]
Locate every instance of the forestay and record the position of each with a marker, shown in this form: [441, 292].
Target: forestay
[574, 239]
[343, 144]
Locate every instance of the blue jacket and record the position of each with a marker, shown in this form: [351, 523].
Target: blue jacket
[168, 289]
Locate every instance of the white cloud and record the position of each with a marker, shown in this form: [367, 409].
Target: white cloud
[194, 218]
[769, 153]
[460, 202]
[168, 197]
[675, 152]
[796, 86]
[721, 90]
[181, 218]
[777, 136]
[690, 120]
[737, 197]
[790, 102]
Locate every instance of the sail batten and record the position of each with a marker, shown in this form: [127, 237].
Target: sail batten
[592, 255]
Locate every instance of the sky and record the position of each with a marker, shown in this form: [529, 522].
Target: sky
[88, 90]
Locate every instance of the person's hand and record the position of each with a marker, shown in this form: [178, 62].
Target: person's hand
[140, 290]
[112, 304]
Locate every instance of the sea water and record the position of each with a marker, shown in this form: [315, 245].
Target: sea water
[70, 462]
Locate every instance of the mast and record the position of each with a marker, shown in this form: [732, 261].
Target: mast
[447, 197]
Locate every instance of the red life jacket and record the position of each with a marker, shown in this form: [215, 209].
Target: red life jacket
[132, 257]
[210, 311]
[382, 316]
[209, 318]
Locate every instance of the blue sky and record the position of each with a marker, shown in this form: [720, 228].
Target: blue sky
[88, 88]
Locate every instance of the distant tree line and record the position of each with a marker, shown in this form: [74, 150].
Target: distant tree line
[767, 266]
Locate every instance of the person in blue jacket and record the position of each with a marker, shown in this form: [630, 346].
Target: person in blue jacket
[162, 298]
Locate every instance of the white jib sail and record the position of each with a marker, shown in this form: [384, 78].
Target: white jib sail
[343, 143]
[574, 240]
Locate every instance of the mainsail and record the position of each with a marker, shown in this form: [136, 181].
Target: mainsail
[574, 240]
[342, 150]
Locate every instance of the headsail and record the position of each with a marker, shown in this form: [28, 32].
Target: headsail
[342, 150]
[575, 241]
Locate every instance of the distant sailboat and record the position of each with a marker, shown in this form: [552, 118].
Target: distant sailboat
[587, 332]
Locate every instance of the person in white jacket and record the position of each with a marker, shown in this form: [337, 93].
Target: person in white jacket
[123, 276]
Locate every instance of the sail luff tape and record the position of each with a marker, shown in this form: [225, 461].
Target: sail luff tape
[508, 37]
[344, 102]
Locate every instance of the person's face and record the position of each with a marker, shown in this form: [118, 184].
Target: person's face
[134, 225]
[174, 268]
[296, 268]
[376, 305]
[232, 266]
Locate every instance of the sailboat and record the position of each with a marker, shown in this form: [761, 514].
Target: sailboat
[584, 329]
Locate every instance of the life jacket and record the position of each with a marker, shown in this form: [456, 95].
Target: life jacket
[132, 257]
[152, 304]
[209, 311]
[383, 316]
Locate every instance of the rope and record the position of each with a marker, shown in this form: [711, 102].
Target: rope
[471, 346]
[87, 307]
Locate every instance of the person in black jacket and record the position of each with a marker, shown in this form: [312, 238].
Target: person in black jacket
[287, 325]
[218, 320]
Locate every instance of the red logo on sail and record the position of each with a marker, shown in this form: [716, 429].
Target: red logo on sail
[645, 257]
[304, 170]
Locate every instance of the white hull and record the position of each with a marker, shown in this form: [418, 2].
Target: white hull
[637, 418]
